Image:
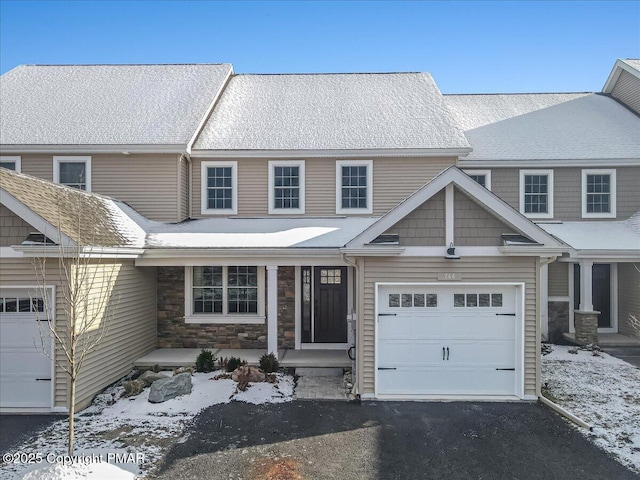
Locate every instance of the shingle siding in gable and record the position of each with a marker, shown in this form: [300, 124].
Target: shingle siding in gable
[475, 226]
[425, 226]
[627, 90]
[13, 229]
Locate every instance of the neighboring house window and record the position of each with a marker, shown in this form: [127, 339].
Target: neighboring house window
[354, 188]
[286, 187]
[224, 294]
[536, 193]
[11, 163]
[483, 177]
[219, 187]
[73, 172]
[598, 193]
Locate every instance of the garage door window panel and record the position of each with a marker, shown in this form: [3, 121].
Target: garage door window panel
[413, 300]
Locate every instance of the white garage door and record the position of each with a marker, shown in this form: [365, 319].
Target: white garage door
[25, 374]
[446, 340]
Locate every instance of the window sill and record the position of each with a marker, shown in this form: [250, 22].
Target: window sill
[599, 215]
[225, 319]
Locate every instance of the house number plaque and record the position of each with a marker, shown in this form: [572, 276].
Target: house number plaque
[450, 277]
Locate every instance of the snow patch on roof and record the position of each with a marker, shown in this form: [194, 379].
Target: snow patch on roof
[604, 235]
[331, 111]
[632, 62]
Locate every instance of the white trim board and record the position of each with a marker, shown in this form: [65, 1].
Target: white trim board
[58, 159]
[16, 159]
[301, 187]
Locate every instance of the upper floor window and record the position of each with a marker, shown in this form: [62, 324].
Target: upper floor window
[286, 187]
[599, 193]
[73, 172]
[483, 177]
[354, 186]
[536, 193]
[11, 163]
[219, 187]
[225, 294]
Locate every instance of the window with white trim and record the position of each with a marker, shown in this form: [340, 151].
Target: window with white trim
[74, 172]
[224, 294]
[286, 187]
[536, 193]
[219, 187]
[599, 193]
[354, 186]
[483, 177]
[11, 163]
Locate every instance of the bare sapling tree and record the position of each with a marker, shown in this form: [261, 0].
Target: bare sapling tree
[634, 322]
[76, 322]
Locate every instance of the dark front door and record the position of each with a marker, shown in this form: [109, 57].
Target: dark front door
[330, 305]
[601, 292]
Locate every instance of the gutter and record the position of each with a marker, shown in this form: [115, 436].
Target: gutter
[568, 415]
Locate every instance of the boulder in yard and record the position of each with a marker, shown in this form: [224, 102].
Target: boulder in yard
[133, 388]
[170, 387]
[150, 376]
[247, 374]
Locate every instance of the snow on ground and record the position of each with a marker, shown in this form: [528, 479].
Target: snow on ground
[601, 390]
[129, 437]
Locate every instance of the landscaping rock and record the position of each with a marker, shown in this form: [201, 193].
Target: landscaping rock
[150, 376]
[179, 370]
[168, 388]
[133, 388]
[247, 373]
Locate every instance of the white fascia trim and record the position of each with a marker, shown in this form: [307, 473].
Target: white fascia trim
[550, 186]
[263, 259]
[57, 160]
[534, 251]
[613, 194]
[53, 251]
[33, 219]
[486, 173]
[301, 187]
[318, 153]
[555, 163]
[615, 74]
[471, 188]
[354, 163]
[93, 149]
[619, 256]
[209, 110]
[204, 197]
[373, 251]
[16, 159]
[9, 252]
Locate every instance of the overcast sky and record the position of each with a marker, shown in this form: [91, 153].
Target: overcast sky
[479, 47]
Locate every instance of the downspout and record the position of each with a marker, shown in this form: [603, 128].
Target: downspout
[356, 279]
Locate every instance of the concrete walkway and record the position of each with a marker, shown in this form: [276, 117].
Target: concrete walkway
[320, 384]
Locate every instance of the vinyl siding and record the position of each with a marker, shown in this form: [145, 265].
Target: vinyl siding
[420, 269]
[627, 90]
[629, 299]
[149, 183]
[183, 194]
[14, 229]
[394, 179]
[558, 279]
[131, 333]
[425, 226]
[474, 225]
[568, 191]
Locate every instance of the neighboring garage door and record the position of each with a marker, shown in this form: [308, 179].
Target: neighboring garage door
[447, 340]
[25, 373]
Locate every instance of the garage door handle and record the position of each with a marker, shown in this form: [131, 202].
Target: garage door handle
[509, 369]
[387, 368]
[507, 314]
[387, 314]
[447, 353]
[43, 379]
[443, 353]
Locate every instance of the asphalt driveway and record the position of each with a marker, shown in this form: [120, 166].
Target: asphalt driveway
[386, 440]
[17, 429]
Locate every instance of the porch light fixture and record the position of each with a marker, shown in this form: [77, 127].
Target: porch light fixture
[451, 253]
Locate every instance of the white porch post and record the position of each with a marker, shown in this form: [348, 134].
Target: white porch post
[586, 286]
[272, 309]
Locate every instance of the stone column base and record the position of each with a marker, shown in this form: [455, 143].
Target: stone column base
[586, 324]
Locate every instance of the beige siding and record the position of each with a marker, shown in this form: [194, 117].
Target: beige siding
[558, 279]
[394, 179]
[131, 333]
[149, 183]
[13, 229]
[627, 90]
[629, 299]
[414, 269]
[424, 226]
[474, 225]
[183, 194]
[505, 182]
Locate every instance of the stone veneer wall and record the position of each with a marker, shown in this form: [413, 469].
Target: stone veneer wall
[558, 320]
[173, 332]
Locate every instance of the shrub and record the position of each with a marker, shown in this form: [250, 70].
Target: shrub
[233, 363]
[269, 363]
[206, 361]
